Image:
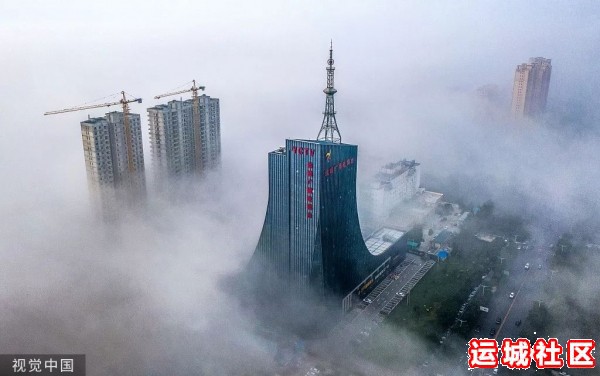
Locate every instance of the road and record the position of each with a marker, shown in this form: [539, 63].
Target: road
[361, 322]
[528, 286]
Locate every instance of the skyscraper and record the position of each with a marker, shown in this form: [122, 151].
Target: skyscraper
[111, 174]
[311, 238]
[530, 89]
[172, 138]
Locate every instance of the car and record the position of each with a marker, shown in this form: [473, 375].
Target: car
[498, 320]
[512, 295]
[540, 266]
[492, 331]
[400, 293]
[367, 301]
[477, 329]
[527, 266]
[518, 323]
[495, 371]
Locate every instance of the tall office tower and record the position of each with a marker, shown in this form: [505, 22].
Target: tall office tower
[530, 89]
[311, 238]
[111, 174]
[172, 138]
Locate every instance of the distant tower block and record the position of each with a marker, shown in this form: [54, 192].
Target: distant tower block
[530, 88]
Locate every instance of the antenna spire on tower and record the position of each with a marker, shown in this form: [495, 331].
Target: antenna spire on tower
[329, 130]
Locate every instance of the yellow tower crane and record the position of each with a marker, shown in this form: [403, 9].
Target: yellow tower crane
[196, 109]
[128, 139]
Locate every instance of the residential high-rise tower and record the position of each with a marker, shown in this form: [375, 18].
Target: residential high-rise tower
[172, 138]
[110, 177]
[530, 89]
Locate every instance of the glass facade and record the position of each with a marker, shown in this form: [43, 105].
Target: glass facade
[311, 235]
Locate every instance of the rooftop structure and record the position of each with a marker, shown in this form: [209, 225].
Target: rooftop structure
[382, 239]
[329, 129]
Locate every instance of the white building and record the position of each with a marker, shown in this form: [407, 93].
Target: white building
[395, 183]
[172, 138]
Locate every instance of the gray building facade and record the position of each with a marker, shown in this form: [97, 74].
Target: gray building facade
[172, 138]
[110, 178]
[311, 238]
[530, 88]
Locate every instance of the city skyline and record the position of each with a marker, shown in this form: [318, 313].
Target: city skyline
[162, 283]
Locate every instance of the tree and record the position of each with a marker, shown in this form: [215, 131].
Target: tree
[415, 234]
[486, 210]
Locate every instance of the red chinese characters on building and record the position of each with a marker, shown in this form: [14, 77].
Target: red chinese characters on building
[483, 353]
[303, 151]
[339, 166]
[309, 189]
[547, 353]
[516, 354]
[579, 353]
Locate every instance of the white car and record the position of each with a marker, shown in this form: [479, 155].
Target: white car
[527, 266]
[512, 295]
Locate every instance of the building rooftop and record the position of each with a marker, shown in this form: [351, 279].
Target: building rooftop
[93, 121]
[430, 198]
[382, 239]
[392, 170]
[443, 237]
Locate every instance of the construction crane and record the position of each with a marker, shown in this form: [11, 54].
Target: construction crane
[196, 110]
[128, 139]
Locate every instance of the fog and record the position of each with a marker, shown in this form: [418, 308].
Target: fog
[150, 294]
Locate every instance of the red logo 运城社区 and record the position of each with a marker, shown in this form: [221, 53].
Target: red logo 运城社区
[516, 354]
[483, 353]
[579, 353]
[547, 354]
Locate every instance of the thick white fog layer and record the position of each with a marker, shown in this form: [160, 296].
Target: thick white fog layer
[149, 294]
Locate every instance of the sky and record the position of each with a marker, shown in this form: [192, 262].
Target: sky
[406, 75]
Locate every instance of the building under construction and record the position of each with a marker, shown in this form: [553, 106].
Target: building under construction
[115, 174]
[114, 156]
[185, 135]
